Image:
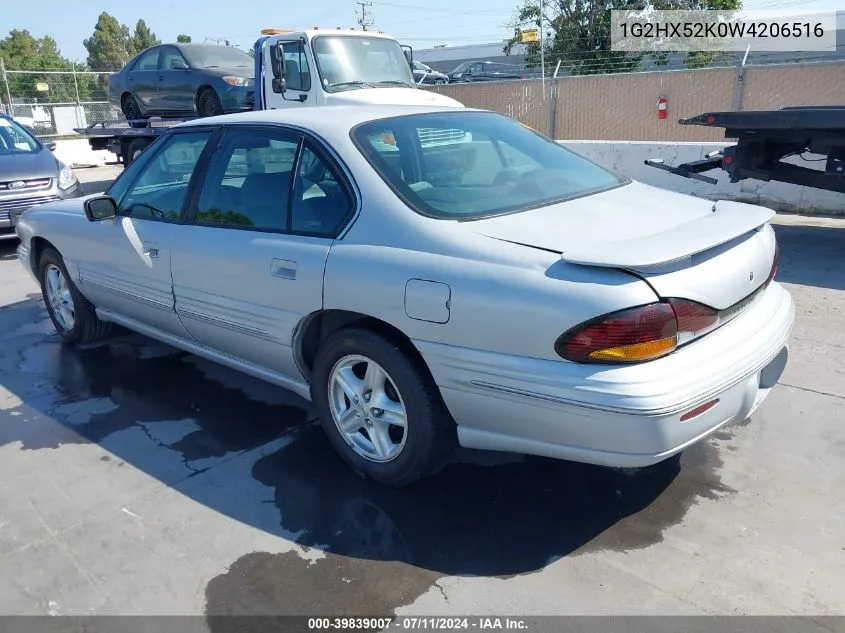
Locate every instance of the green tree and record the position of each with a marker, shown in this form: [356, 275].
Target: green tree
[143, 37]
[577, 32]
[110, 46]
[20, 50]
[183, 39]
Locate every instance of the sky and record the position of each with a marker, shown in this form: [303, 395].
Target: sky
[421, 24]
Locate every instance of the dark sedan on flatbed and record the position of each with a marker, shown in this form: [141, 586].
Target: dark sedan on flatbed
[183, 80]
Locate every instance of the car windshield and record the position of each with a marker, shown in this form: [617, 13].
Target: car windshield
[346, 62]
[471, 165]
[462, 67]
[14, 139]
[217, 57]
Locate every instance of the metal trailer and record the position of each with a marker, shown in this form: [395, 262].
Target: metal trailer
[765, 138]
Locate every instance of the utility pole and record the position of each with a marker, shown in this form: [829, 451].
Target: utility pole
[365, 19]
[542, 51]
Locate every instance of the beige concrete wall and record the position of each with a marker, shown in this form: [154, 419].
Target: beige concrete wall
[624, 106]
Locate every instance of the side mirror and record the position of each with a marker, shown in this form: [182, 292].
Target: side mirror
[178, 64]
[409, 55]
[100, 208]
[51, 145]
[276, 63]
[279, 85]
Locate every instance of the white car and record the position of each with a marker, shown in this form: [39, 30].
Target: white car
[429, 277]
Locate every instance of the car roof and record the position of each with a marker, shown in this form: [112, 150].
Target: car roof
[342, 120]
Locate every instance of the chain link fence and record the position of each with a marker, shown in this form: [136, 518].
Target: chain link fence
[53, 102]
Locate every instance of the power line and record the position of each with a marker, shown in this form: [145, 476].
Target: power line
[365, 19]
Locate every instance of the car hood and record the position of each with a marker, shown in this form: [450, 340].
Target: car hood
[714, 252]
[72, 206]
[391, 96]
[237, 71]
[28, 166]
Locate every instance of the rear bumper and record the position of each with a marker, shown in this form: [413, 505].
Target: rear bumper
[622, 416]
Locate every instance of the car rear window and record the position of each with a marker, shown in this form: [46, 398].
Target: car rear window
[469, 165]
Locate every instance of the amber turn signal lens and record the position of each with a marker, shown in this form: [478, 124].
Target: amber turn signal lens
[637, 351]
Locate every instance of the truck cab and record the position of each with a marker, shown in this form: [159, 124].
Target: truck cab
[295, 69]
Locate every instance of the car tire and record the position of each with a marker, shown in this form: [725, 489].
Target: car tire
[208, 103]
[440, 82]
[429, 434]
[133, 150]
[72, 314]
[132, 111]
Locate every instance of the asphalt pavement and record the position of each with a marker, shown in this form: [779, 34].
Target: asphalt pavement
[136, 479]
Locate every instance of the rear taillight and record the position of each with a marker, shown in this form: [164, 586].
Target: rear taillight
[631, 335]
[694, 319]
[649, 331]
[638, 334]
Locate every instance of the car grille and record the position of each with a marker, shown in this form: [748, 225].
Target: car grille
[21, 204]
[28, 185]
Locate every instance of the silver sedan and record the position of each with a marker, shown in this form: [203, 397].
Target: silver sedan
[428, 278]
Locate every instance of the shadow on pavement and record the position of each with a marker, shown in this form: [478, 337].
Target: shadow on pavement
[8, 249]
[188, 423]
[811, 255]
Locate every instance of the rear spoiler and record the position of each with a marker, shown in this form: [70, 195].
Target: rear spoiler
[728, 221]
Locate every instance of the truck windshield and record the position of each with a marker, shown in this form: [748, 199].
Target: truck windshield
[349, 62]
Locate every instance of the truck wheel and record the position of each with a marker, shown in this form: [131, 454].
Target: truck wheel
[380, 408]
[132, 111]
[208, 103]
[72, 314]
[133, 150]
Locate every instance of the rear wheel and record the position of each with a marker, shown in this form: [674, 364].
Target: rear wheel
[72, 314]
[208, 103]
[132, 111]
[133, 150]
[380, 408]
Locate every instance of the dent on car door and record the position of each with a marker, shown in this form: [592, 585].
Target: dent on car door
[126, 265]
[250, 267]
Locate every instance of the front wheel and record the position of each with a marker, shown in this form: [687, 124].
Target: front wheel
[380, 408]
[72, 314]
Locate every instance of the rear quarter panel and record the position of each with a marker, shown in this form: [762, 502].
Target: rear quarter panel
[502, 297]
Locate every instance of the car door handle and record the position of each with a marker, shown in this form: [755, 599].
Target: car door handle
[151, 249]
[283, 268]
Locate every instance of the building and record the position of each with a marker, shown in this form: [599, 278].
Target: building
[447, 58]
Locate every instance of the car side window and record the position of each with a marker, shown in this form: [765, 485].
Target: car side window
[477, 68]
[169, 56]
[297, 72]
[321, 204]
[159, 191]
[249, 181]
[148, 61]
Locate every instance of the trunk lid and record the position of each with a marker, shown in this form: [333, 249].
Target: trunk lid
[714, 253]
